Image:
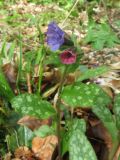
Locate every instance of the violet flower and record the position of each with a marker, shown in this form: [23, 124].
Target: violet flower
[55, 36]
[68, 57]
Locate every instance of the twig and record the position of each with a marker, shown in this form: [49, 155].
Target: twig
[69, 13]
[117, 154]
[58, 101]
[28, 83]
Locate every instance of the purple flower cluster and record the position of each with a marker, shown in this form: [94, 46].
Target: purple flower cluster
[68, 57]
[55, 36]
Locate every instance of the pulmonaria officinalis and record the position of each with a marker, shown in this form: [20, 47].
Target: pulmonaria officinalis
[55, 36]
[68, 57]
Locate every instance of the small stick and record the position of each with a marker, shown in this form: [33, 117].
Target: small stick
[117, 154]
[28, 83]
[69, 12]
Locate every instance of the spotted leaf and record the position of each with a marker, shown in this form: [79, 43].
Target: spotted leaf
[31, 104]
[84, 95]
[80, 148]
[76, 124]
[107, 119]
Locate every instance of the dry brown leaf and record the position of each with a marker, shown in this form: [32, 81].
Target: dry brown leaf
[32, 122]
[10, 72]
[100, 132]
[44, 147]
[100, 138]
[8, 156]
[108, 91]
[93, 122]
[115, 65]
[116, 83]
[23, 153]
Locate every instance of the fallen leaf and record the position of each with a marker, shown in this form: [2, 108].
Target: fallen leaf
[8, 156]
[43, 148]
[10, 72]
[32, 122]
[23, 153]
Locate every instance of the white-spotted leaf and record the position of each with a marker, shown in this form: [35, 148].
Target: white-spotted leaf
[80, 148]
[84, 95]
[31, 104]
[77, 124]
[104, 114]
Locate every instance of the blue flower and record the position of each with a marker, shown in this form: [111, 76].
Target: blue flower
[55, 36]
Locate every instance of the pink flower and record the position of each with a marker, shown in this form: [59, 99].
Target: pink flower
[68, 57]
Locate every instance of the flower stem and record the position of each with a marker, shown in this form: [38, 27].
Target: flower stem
[43, 54]
[20, 64]
[59, 113]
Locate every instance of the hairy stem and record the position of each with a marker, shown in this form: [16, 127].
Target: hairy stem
[43, 52]
[40, 71]
[59, 113]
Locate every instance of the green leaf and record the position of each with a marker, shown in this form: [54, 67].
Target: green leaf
[39, 56]
[116, 109]
[91, 73]
[106, 117]
[98, 44]
[44, 131]
[22, 137]
[12, 142]
[25, 136]
[91, 95]
[11, 51]
[65, 143]
[3, 50]
[100, 36]
[84, 95]
[77, 124]
[31, 104]
[2, 120]
[80, 148]
[5, 89]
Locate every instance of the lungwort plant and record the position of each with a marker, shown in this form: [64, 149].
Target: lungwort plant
[72, 137]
